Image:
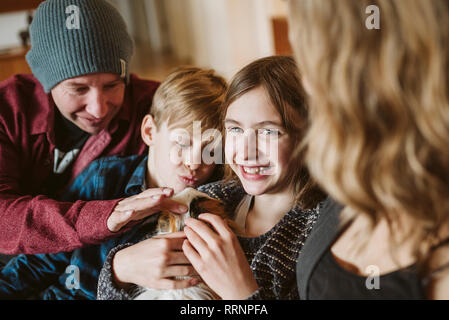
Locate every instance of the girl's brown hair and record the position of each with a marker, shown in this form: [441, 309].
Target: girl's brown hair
[379, 134]
[279, 76]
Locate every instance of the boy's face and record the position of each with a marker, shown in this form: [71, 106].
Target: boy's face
[172, 155]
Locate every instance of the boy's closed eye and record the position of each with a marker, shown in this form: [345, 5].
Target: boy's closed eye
[183, 145]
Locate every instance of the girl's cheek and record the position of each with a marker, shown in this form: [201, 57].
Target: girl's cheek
[229, 151]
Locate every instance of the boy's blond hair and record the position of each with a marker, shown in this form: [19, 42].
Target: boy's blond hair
[189, 94]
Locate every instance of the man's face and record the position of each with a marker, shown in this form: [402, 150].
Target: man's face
[90, 101]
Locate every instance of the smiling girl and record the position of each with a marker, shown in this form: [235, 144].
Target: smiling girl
[272, 197]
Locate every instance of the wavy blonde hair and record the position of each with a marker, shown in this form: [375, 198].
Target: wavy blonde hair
[379, 133]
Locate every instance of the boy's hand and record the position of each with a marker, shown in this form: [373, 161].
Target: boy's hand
[141, 206]
[153, 263]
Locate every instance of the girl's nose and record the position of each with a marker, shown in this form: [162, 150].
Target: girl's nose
[248, 149]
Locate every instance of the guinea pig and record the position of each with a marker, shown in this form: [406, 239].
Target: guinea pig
[198, 203]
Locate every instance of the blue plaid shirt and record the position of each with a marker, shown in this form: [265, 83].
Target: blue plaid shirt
[74, 275]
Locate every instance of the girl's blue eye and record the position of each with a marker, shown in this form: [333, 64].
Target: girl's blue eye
[234, 130]
[269, 132]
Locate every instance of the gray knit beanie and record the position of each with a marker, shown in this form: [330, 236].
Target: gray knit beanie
[71, 38]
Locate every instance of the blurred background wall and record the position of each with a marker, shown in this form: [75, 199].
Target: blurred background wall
[220, 34]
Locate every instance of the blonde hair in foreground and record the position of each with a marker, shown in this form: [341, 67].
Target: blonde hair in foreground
[379, 133]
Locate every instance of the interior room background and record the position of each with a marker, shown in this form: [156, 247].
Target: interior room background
[220, 34]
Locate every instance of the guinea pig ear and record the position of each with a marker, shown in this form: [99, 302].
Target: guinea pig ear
[202, 204]
[195, 207]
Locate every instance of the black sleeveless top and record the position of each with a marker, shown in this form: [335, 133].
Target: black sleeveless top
[330, 281]
[320, 276]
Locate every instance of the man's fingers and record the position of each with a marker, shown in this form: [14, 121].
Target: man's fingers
[138, 209]
[118, 219]
[140, 204]
[173, 206]
[144, 207]
[168, 192]
[153, 193]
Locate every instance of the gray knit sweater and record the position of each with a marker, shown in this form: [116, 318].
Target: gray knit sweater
[272, 256]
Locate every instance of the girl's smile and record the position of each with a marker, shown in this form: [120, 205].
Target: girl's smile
[255, 172]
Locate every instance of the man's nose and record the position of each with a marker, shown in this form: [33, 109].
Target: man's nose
[97, 105]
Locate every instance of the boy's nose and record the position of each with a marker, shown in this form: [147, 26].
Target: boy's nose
[193, 160]
[192, 166]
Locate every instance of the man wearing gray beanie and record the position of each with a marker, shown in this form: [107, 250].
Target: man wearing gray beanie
[80, 104]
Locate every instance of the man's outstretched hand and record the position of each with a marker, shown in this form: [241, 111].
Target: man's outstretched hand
[143, 205]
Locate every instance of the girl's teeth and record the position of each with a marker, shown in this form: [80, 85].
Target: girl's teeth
[256, 170]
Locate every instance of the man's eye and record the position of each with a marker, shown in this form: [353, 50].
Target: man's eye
[110, 86]
[81, 90]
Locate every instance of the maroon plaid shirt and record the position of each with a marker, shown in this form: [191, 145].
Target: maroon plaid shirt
[31, 222]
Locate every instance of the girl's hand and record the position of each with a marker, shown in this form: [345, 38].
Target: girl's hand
[218, 257]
